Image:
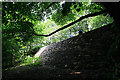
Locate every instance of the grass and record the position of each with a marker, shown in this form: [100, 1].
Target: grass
[28, 61]
[32, 61]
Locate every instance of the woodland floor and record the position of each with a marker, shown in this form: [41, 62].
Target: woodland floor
[80, 58]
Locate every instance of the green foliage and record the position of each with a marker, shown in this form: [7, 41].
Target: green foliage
[100, 20]
[21, 20]
[29, 61]
[76, 67]
[83, 8]
[61, 19]
[16, 31]
[32, 61]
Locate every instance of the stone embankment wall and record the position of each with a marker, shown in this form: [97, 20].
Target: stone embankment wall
[85, 52]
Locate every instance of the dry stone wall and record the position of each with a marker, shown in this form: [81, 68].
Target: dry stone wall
[87, 51]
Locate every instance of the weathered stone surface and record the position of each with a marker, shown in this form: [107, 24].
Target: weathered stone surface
[81, 57]
[87, 51]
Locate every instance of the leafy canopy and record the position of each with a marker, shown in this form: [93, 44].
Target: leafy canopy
[22, 20]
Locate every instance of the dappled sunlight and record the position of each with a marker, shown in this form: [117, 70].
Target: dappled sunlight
[75, 72]
[16, 66]
[60, 40]
[39, 52]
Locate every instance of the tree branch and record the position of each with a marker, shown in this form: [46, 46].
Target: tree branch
[39, 34]
[68, 25]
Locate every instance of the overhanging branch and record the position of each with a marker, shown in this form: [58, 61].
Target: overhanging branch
[68, 25]
[39, 34]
